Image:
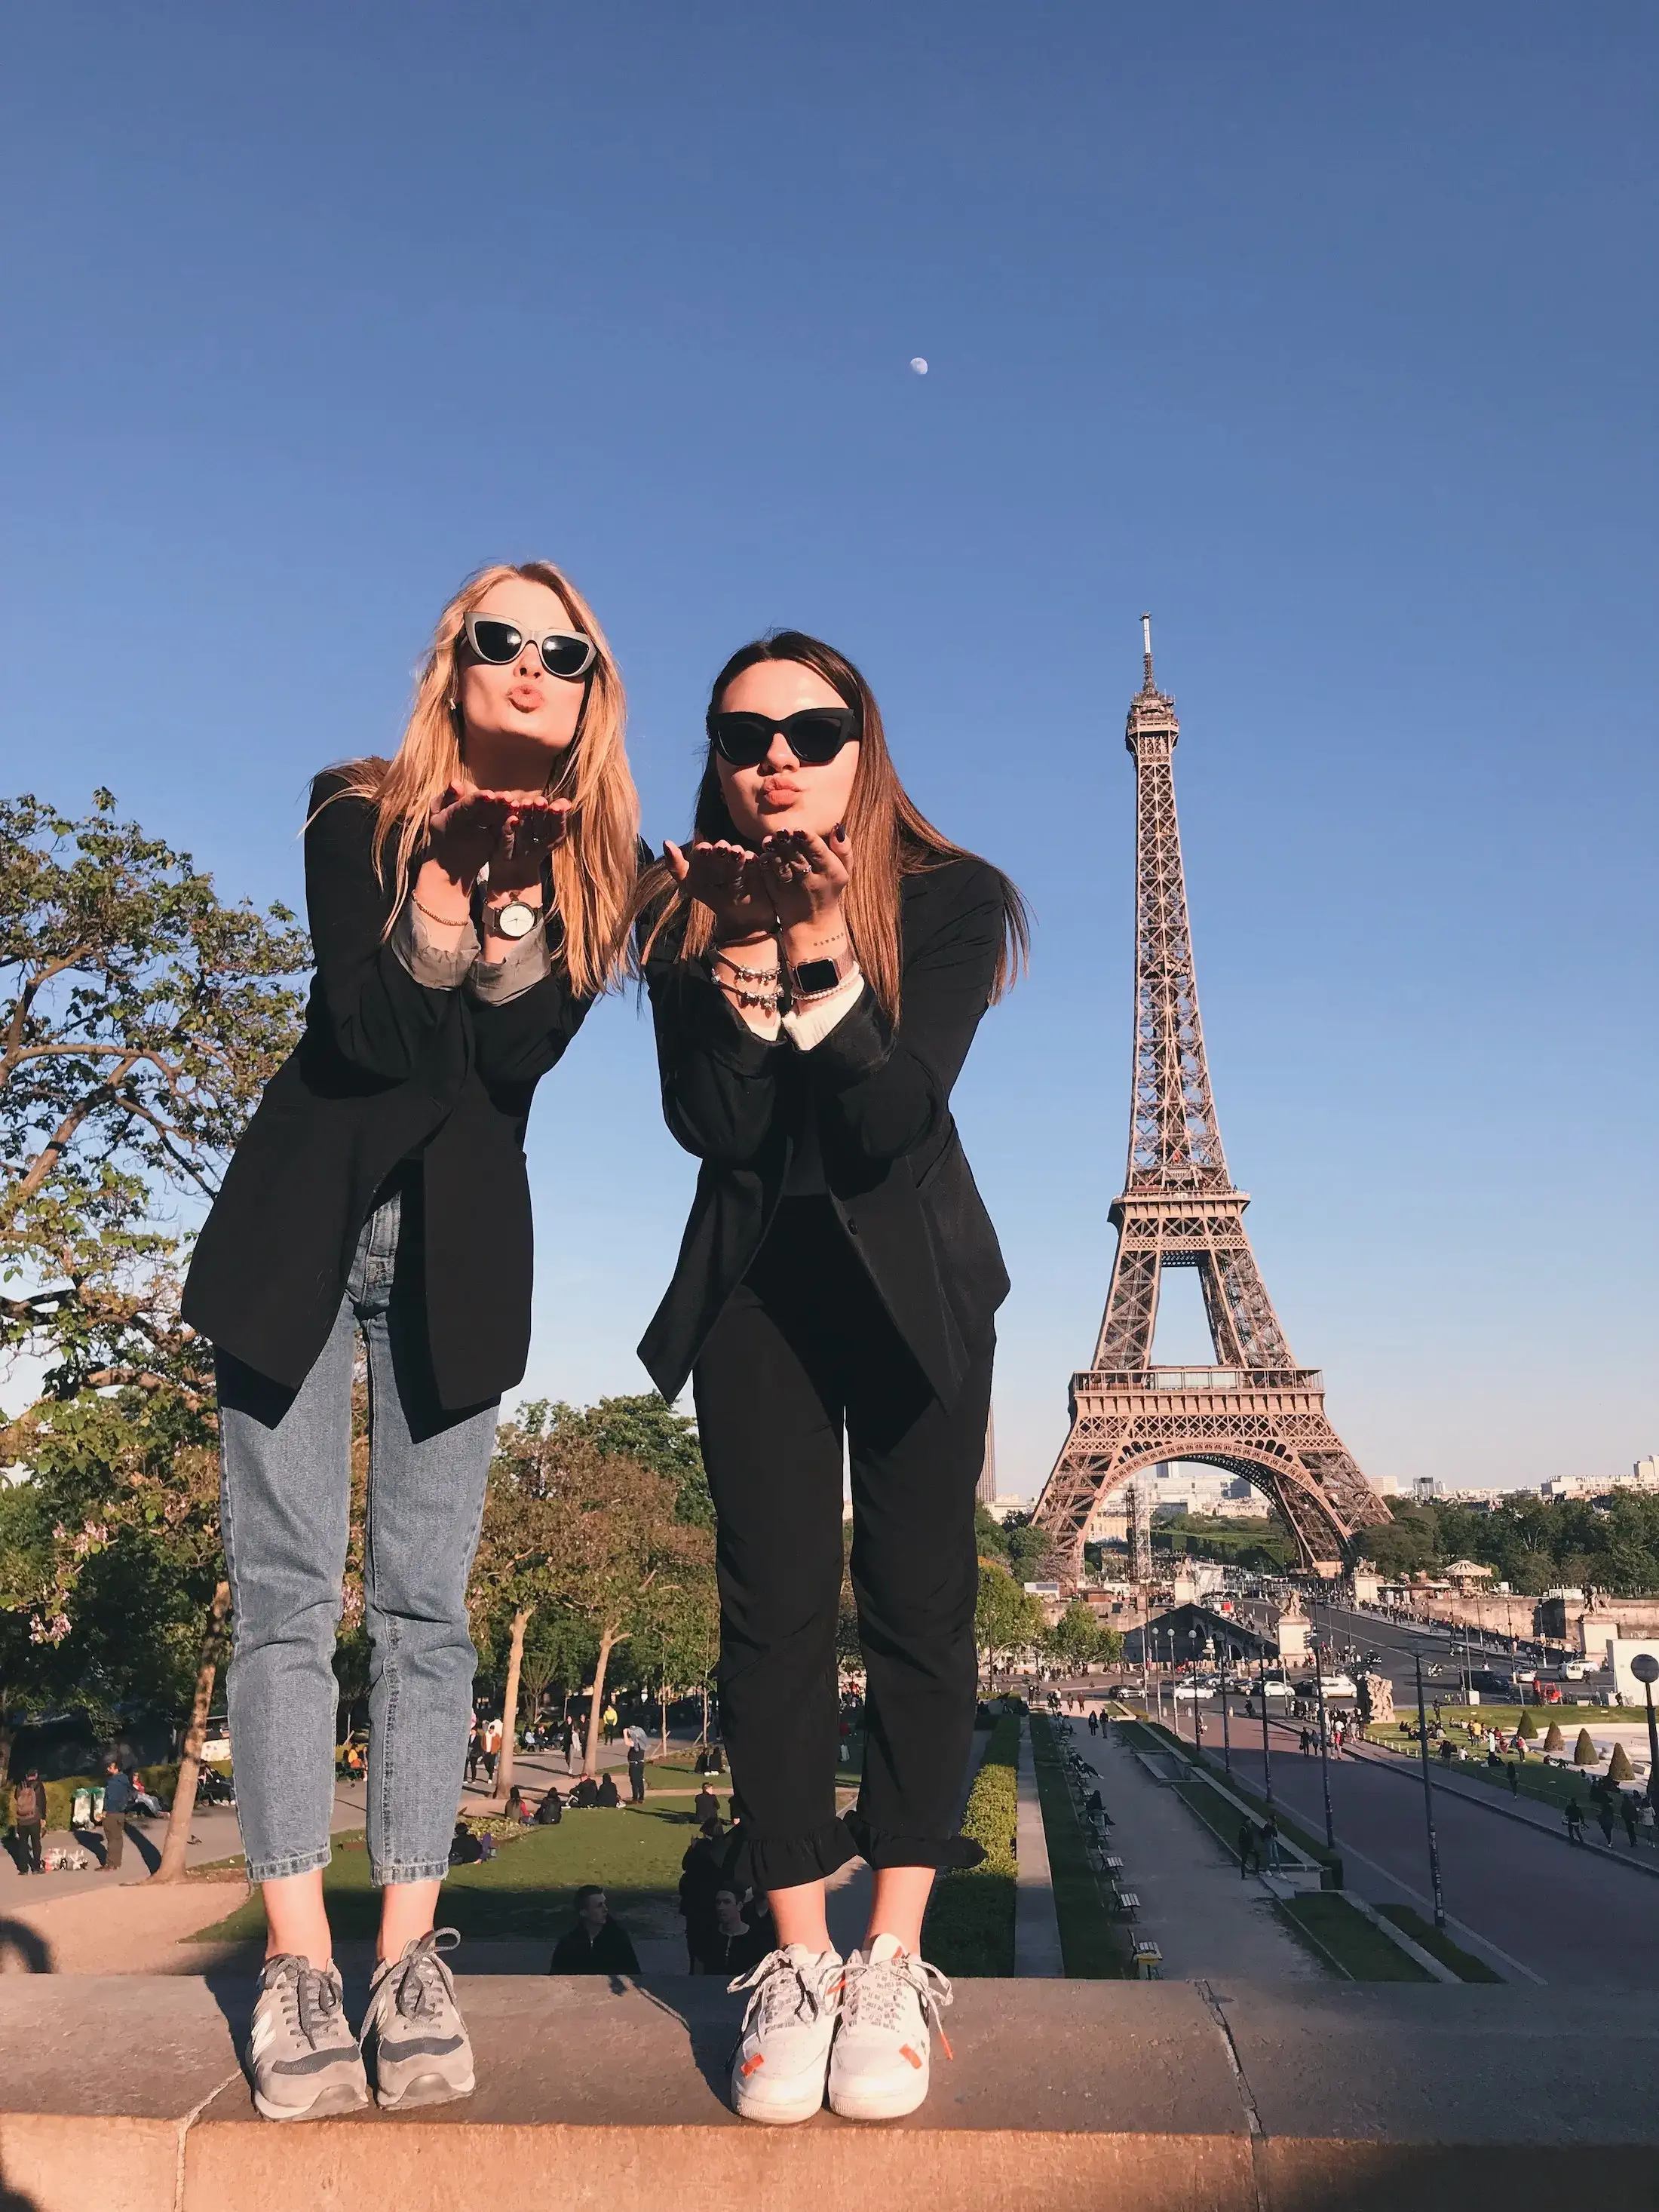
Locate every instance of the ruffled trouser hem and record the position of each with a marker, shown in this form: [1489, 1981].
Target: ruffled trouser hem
[767, 1862]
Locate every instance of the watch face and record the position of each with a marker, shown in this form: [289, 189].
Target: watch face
[516, 919]
[815, 976]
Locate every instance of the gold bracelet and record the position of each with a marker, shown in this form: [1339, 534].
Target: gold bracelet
[443, 920]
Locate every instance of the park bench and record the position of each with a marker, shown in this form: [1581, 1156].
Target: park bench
[1147, 1960]
[1125, 1903]
[1111, 1862]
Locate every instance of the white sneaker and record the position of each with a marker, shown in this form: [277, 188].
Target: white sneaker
[778, 2066]
[879, 2066]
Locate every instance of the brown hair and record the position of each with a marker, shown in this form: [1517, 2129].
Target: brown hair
[595, 864]
[890, 837]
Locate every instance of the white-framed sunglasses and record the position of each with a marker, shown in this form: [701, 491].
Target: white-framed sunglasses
[564, 652]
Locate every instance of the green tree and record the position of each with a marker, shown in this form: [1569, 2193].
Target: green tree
[1619, 1766]
[1074, 1642]
[140, 1018]
[1526, 1726]
[1007, 1618]
[596, 1535]
[1553, 1740]
[645, 1429]
[1585, 1752]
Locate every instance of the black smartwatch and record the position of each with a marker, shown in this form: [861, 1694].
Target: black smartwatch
[816, 979]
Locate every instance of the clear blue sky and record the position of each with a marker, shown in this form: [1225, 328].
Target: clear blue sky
[1328, 333]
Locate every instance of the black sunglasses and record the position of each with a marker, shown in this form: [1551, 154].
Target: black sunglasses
[563, 652]
[816, 735]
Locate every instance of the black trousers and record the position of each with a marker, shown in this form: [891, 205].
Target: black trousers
[804, 1356]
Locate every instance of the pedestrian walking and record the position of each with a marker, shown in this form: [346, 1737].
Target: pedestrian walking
[117, 1803]
[609, 1724]
[464, 901]
[1574, 1816]
[1249, 1853]
[1628, 1814]
[1605, 1818]
[474, 1749]
[1514, 1765]
[28, 1814]
[816, 984]
[1307, 1743]
[637, 1773]
[494, 1735]
[568, 1742]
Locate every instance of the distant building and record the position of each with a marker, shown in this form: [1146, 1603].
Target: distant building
[986, 1490]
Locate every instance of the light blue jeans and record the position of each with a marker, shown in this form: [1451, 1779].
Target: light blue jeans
[285, 1508]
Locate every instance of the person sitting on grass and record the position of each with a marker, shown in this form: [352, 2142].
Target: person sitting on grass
[607, 1794]
[707, 1806]
[550, 1811]
[516, 1808]
[464, 1849]
[585, 1795]
[595, 1944]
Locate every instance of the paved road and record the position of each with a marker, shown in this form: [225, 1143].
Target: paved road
[1566, 1916]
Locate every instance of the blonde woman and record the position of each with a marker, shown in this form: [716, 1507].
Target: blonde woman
[464, 899]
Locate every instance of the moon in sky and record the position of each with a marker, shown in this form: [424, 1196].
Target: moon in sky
[919, 365]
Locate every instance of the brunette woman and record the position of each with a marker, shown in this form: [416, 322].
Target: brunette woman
[463, 899]
[817, 985]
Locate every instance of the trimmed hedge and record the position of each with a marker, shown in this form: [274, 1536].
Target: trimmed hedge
[970, 1920]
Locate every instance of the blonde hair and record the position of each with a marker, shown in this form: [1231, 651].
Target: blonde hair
[890, 836]
[596, 863]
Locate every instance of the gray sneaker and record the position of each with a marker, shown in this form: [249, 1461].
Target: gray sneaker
[422, 2054]
[303, 2057]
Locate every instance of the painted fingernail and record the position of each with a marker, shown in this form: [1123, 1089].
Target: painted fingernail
[841, 828]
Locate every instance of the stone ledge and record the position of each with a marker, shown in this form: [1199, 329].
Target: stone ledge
[124, 2092]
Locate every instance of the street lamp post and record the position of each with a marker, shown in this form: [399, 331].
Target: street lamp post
[1226, 1735]
[1266, 1748]
[1645, 1668]
[1324, 1765]
[1192, 1639]
[1428, 1798]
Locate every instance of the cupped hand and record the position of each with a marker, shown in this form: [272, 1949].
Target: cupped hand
[532, 829]
[806, 875]
[727, 879]
[464, 831]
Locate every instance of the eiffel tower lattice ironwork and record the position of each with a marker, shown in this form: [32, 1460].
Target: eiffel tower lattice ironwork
[1255, 1412]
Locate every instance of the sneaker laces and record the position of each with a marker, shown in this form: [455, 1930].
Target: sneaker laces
[310, 1998]
[876, 1990]
[419, 1986]
[782, 1988]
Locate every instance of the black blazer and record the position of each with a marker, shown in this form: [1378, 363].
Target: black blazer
[387, 1069]
[898, 1178]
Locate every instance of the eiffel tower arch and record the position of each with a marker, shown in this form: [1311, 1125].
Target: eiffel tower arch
[1255, 1412]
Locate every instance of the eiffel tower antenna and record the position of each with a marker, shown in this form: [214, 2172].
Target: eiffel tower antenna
[1255, 1412]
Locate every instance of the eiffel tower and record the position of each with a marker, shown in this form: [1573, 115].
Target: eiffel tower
[1255, 1412]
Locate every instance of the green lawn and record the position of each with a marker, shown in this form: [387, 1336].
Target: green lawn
[1436, 1942]
[1544, 1785]
[526, 1891]
[1340, 1933]
[1088, 1942]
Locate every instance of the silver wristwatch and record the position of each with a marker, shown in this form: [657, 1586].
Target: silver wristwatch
[514, 921]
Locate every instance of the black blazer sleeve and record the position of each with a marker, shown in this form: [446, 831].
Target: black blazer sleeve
[881, 1093]
[377, 1016]
[519, 1041]
[719, 1079]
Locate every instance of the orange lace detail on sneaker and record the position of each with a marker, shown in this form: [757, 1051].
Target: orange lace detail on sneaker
[750, 2064]
[905, 2051]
